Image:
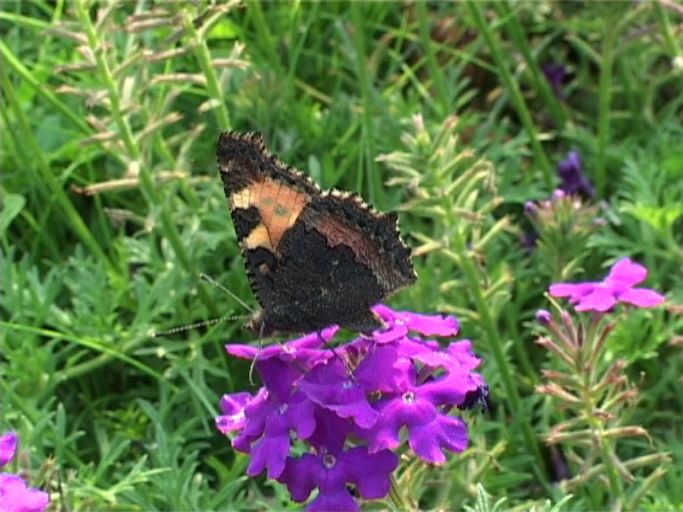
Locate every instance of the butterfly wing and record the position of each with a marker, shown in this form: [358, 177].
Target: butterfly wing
[313, 259]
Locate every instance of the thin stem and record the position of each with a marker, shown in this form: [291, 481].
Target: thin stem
[540, 84]
[395, 495]
[147, 183]
[112, 90]
[500, 58]
[213, 86]
[667, 30]
[367, 160]
[604, 101]
[496, 345]
[428, 46]
[47, 177]
[589, 376]
[10, 60]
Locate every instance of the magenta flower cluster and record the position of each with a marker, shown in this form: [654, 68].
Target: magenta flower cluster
[15, 496]
[618, 286]
[349, 406]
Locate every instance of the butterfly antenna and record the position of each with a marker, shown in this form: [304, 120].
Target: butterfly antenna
[211, 280]
[197, 325]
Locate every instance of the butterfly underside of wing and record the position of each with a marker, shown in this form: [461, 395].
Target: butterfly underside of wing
[313, 258]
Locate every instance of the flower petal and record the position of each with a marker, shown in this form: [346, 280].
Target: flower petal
[394, 414]
[300, 476]
[338, 500]
[642, 297]
[449, 389]
[331, 388]
[572, 290]
[242, 351]
[272, 449]
[300, 416]
[599, 299]
[8, 445]
[430, 325]
[370, 471]
[427, 441]
[16, 497]
[627, 272]
[376, 372]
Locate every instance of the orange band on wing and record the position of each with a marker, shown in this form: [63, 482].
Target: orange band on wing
[279, 207]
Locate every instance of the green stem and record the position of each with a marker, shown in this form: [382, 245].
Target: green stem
[540, 84]
[213, 86]
[107, 352]
[667, 30]
[589, 375]
[604, 100]
[374, 178]
[428, 46]
[10, 60]
[500, 59]
[496, 345]
[616, 493]
[395, 495]
[147, 184]
[112, 90]
[261, 26]
[46, 176]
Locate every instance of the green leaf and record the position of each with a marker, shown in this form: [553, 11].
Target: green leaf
[11, 206]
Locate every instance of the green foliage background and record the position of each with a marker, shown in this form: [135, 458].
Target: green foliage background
[111, 208]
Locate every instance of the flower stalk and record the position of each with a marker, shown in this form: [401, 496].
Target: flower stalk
[595, 393]
[464, 210]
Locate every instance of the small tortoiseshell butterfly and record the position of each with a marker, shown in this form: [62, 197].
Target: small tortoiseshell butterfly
[314, 258]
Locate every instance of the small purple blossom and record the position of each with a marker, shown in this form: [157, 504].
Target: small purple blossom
[618, 286]
[8, 446]
[543, 316]
[555, 75]
[370, 390]
[571, 175]
[15, 496]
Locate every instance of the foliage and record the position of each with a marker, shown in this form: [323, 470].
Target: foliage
[111, 209]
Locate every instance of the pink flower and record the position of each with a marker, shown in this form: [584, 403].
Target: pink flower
[8, 446]
[618, 286]
[15, 496]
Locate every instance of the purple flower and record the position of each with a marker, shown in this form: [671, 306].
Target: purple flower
[330, 472]
[366, 391]
[555, 74]
[331, 387]
[8, 446]
[572, 177]
[416, 405]
[14, 495]
[543, 316]
[618, 286]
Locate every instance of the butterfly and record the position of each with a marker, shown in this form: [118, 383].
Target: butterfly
[313, 258]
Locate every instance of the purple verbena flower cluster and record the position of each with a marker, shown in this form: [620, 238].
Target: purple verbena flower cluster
[571, 175]
[14, 495]
[349, 406]
[618, 286]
